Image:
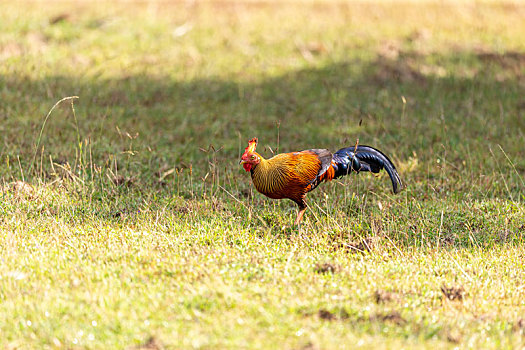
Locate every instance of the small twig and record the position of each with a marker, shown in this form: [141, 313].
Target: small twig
[440, 227]
[44, 124]
[240, 147]
[290, 256]
[502, 177]
[357, 249]
[21, 170]
[512, 164]
[237, 200]
[395, 246]
[459, 266]
[325, 213]
[351, 168]
[355, 154]
[70, 173]
[278, 135]
[403, 99]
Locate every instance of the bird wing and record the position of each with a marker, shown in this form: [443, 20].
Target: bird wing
[303, 169]
[324, 161]
[324, 156]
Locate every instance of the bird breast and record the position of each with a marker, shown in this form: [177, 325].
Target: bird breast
[271, 177]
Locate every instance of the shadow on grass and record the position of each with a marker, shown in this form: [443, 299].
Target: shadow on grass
[441, 117]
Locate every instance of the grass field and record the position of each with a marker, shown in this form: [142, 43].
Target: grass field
[127, 222]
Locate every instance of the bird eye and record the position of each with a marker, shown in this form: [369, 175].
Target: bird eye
[253, 157]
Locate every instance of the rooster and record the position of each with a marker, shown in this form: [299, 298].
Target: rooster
[293, 175]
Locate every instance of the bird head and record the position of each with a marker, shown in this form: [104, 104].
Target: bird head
[250, 158]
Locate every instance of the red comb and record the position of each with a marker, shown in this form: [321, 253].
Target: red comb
[251, 146]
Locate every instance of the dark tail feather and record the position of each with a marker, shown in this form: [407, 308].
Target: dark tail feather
[365, 159]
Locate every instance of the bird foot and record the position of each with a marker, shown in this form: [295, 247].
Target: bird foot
[299, 217]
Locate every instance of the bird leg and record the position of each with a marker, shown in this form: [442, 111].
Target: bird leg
[300, 215]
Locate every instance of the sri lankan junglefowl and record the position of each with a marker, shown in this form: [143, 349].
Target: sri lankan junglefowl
[293, 175]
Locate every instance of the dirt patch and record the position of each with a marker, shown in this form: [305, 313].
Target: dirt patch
[187, 207]
[309, 346]
[326, 268]
[453, 336]
[21, 190]
[121, 214]
[121, 181]
[519, 325]
[397, 71]
[420, 35]
[395, 65]
[453, 293]
[151, 343]
[448, 239]
[326, 315]
[382, 296]
[512, 63]
[365, 245]
[183, 209]
[63, 17]
[246, 193]
[509, 59]
[10, 49]
[393, 317]
[311, 49]
[389, 49]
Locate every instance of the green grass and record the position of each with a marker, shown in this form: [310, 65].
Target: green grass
[128, 223]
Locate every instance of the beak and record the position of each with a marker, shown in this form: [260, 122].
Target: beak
[242, 161]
